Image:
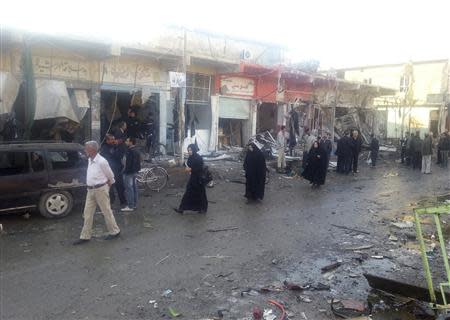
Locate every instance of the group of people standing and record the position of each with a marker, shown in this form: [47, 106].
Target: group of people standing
[316, 155]
[119, 149]
[417, 152]
[316, 158]
[349, 149]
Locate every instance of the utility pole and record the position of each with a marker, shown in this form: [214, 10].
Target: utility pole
[182, 100]
[333, 117]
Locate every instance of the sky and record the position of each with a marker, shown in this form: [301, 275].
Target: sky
[338, 33]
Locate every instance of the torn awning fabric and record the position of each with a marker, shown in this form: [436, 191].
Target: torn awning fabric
[9, 88]
[53, 101]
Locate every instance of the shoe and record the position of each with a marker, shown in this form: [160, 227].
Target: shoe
[112, 236]
[80, 241]
[178, 210]
[127, 209]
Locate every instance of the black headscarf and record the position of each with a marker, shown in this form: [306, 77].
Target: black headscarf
[193, 147]
[195, 196]
[316, 169]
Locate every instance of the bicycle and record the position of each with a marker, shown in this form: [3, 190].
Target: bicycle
[154, 178]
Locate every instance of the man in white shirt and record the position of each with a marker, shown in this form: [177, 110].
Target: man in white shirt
[99, 179]
[281, 140]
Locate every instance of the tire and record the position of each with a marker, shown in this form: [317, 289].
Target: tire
[157, 178]
[56, 204]
[142, 177]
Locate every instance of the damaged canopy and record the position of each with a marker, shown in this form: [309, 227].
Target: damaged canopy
[53, 101]
[80, 102]
[9, 87]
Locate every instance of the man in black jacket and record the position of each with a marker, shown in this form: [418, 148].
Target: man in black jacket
[374, 148]
[356, 149]
[343, 153]
[327, 146]
[444, 147]
[112, 153]
[132, 167]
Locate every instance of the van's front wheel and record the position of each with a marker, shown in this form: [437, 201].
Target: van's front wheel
[55, 204]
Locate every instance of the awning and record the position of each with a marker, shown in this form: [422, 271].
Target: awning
[52, 101]
[230, 108]
[9, 87]
[80, 102]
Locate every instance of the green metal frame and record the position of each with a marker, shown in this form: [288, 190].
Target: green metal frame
[436, 212]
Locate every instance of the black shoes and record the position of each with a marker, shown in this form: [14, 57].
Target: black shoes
[80, 241]
[178, 210]
[112, 236]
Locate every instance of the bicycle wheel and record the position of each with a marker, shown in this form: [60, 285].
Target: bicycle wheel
[157, 178]
[142, 177]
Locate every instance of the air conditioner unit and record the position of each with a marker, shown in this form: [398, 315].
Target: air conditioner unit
[246, 54]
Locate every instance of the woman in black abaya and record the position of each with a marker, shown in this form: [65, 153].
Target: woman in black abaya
[255, 173]
[316, 169]
[194, 198]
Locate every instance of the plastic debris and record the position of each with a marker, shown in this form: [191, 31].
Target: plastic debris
[249, 292]
[173, 313]
[167, 293]
[268, 314]
[305, 299]
[393, 238]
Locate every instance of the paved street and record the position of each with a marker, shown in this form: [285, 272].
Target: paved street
[287, 237]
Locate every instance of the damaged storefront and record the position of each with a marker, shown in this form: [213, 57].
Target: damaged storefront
[198, 115]
[234, 111]
[59, 93]
[47, 111]
[134, 91]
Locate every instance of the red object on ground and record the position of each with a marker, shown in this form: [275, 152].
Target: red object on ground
[280, 306]
[257, 313]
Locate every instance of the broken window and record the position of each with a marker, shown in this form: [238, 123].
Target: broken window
[198, 88]
[404, 83]
[12, 163]
[65, 160]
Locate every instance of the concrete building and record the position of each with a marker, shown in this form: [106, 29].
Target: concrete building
[103, 79]
[422, 94]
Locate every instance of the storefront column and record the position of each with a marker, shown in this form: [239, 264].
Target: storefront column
[164, 102]
[249, 126]
[214, 123]
[281, 115]
[253, 117]
[95, 114]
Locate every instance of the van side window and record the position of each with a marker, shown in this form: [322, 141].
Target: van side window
[37, 161]
[12, 163]
[65, 160]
